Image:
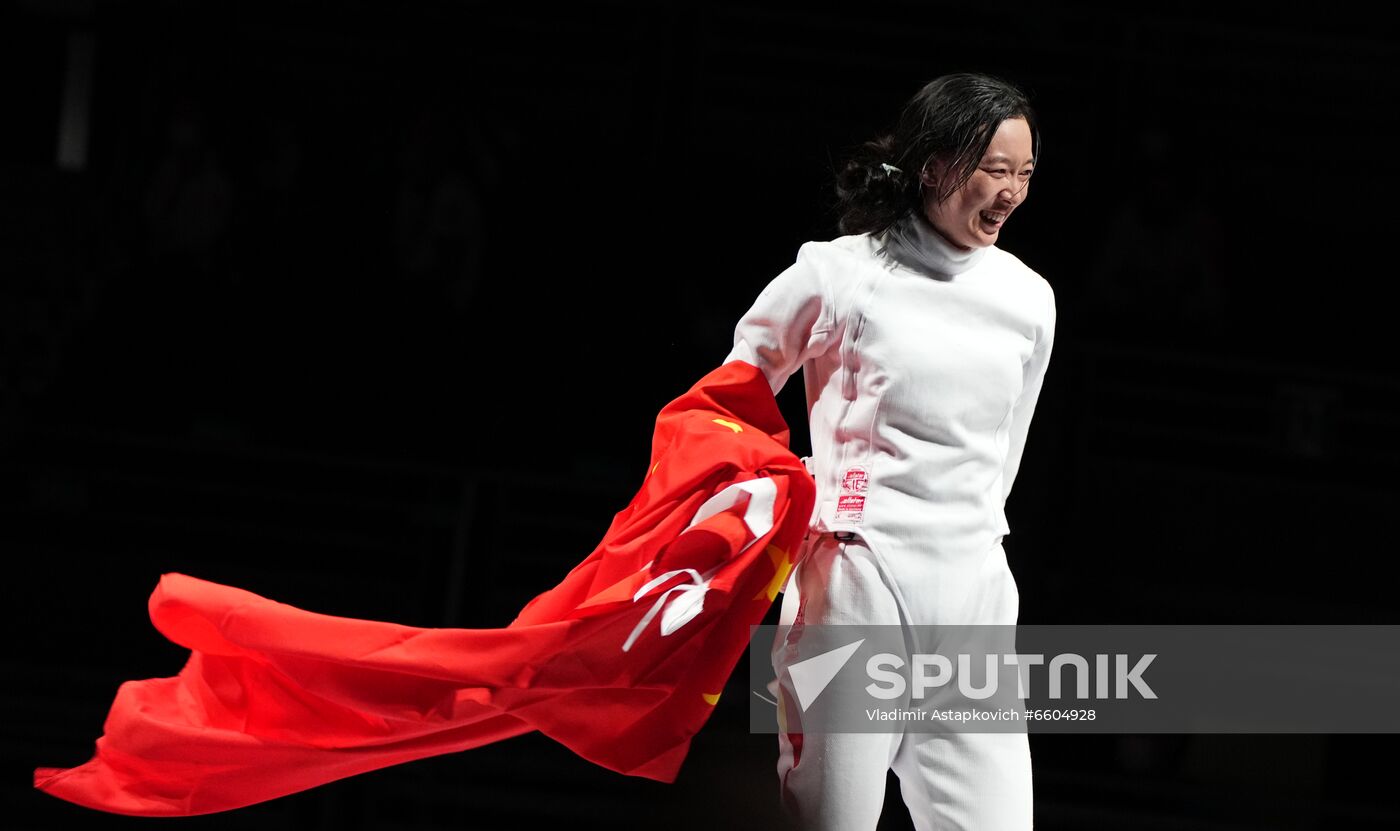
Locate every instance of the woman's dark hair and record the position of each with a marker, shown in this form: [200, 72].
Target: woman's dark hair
[952, 118]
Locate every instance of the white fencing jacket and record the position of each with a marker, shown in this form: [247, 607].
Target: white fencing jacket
[922, 364]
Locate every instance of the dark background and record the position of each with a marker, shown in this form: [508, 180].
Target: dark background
[368, 307]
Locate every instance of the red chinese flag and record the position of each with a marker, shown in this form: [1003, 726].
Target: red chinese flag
[621, 662]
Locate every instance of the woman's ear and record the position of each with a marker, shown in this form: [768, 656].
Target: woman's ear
[932, 174]
[933, 171]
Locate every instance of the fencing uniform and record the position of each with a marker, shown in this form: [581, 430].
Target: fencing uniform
[922, 366]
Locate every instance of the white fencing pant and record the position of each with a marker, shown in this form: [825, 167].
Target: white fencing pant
[950, 781]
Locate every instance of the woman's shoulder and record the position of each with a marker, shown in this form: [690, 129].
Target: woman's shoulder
[1014, 268]
[843, 250]
[1033, 292]
[832, 268]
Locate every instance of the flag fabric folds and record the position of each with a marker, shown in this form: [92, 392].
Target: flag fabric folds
[622, 662]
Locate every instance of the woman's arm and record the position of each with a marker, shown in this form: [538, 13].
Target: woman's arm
[790, 322]
[1024, 408]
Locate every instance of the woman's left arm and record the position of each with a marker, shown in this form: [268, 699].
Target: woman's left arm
[1024, 409]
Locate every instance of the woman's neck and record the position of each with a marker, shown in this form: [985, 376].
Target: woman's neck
[916, 244]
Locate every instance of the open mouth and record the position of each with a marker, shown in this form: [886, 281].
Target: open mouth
[992, 220]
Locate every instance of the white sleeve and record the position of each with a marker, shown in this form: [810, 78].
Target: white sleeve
[790, 322]
[1021, 412]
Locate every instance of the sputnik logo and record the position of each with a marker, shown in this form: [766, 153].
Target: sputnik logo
[811, 676]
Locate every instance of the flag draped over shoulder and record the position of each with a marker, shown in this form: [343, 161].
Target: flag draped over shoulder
[622, 662]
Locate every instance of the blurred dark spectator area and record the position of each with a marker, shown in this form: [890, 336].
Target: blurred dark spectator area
[368, 307]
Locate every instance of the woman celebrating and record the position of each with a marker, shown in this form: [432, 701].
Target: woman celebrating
[923, 347]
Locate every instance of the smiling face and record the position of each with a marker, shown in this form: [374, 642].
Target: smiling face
[972, 216]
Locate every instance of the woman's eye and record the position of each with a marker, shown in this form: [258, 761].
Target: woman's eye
[997, 171]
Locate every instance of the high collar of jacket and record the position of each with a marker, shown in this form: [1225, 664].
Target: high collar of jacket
[913, 242]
